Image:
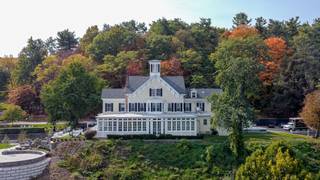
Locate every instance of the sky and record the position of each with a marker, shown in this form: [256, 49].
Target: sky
[21, 19]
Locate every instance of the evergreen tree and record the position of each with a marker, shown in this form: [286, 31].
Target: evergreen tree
[241, 19]
[66, 40]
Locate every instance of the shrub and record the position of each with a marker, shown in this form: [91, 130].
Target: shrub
[277, 162]
[89, 134]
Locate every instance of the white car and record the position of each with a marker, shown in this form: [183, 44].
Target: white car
[289, 126]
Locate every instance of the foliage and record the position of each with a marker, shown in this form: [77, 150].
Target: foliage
[25, 97]
[7, 65]
[299, 73]
[111, 42]
[159, 46]
[171, 67]
[243, 31]
[241, 19]
[237, 61]
[114, 68]
[71, 95]
[277, 50]
[88, 37]
[29, 57]
[311, 111]
[66, 40]
[89, 134]
[12, 113]
[278, 161]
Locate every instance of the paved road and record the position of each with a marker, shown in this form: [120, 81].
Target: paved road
[278, 129]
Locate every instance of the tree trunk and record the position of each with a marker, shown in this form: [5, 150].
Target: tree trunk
[317, 133]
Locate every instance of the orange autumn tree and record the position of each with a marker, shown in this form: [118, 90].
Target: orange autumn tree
[311, 111]
[277, 49]
[135, 67]
[171, 67]
[242, 31]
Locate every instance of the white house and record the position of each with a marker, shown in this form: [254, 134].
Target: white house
[155, 104]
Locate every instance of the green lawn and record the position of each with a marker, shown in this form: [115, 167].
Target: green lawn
[5, 146]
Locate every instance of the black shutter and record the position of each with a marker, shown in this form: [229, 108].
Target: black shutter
[161, 92]
[150, 92]
[112, 107]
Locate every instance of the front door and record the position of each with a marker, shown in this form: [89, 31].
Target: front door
[156, 126]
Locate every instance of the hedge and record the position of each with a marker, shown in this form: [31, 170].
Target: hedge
[19, 130]
[151, 136]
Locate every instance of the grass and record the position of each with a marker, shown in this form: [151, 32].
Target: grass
[5, 146]
[59, 126]
[180, 159]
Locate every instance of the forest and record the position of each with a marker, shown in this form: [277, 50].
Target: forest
[63, 76]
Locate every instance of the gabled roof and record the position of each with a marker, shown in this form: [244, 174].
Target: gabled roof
[204, 92]
[113, 93]
[176, 82]
[134, 82]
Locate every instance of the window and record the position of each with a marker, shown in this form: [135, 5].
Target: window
[130, 125]
[120, 126]
[109, 125]
[169, 125]
[105, 126]
[183, 125]
[192, 125]
[100, 125]
[155, 92]
[174, 125]
[134, 126]
[187, 125]
[174, 107]
[108, 107]
[125, 125]
[159, 92]
[200, 106]
[193, 94]
[144, 126]
[178, 125]
[139, 125]
[115, 125]
[122, 107]
[187, 107]
[156, 107]
[205, 122]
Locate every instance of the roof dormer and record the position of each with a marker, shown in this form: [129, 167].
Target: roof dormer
[154, 66]
[193, 93]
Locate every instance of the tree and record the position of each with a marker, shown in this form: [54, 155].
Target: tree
[51, 45]
[114, 68]
[261, 26]
[276, 28]
[25, 97]
[243, 31]
[47, 70]
[277, 50]
[171, 67]
[66, 40]
[299, 73]
[72, 95]
[134, 26]
[12, 113]
[311, 111]
[278, 161]
[241, 19]
[238, 64]
[29, 57]
[111, 42]
[159, 46]
[88, 37]
[167, 27]
[7, 65]
[135, 67]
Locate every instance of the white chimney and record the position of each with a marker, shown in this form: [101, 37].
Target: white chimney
[154, 66]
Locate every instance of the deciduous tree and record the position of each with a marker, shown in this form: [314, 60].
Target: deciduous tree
[171, 67]
[311, 111]
[72, 95]
[25, 97]
[12, 113]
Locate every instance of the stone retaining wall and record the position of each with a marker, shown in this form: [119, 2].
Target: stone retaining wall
[24, 170]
